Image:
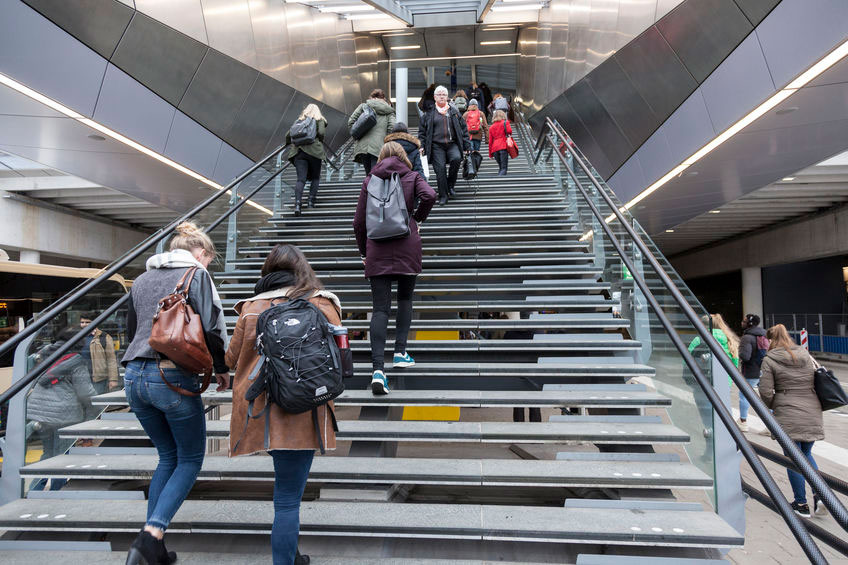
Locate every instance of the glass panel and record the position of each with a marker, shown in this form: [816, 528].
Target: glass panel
[690, 410]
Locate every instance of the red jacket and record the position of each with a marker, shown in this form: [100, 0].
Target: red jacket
[497, 136]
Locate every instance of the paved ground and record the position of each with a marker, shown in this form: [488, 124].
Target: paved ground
[767, 538]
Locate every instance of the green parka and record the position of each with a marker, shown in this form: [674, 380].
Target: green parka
[372, 141]
[315, 149]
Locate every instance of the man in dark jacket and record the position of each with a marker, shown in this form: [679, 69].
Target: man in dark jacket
[444, 139]
[752, 348]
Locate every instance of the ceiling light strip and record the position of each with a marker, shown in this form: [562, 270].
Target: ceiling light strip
[38, 97]
[802, 80]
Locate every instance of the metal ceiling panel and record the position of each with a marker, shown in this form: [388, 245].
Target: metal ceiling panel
[740, 84]
[542, 62]
[229, 29]
[329, 62]
[127, 106]
[347, 63]
[185, 16]
[559, 50]
[192, 146]
[836, 74]
[665, 6]
[756, 10]
[527, 42]
[655, 158]
[634, 17]
[596, 118]
[287, 117]
[628, 180]
[623, 102]
[256, 121]
[578, 17]
[271, 39]
[813, 33]
[448, 42]
[159, 57]
[689, 128]
[703, 33]
[656, 72]
[229, 165]
[97, 23]
[41, 55]
[569, 119]
[603, 21]
[217, 92]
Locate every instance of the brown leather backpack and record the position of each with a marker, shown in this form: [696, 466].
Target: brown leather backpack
[178, 335]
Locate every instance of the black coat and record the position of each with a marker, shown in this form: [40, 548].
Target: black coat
[460, 131]
[410, 145]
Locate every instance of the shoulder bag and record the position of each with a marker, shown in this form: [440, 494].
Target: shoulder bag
[830, 392]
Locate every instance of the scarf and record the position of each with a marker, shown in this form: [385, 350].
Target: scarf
[273, 281]
[443, 111]
[182, 258]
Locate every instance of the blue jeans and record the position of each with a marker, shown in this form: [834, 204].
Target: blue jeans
[291, 469]
[796, 479]
[177, 427]
[743, 402]
[475, 144]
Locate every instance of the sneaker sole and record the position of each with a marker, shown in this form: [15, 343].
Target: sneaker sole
[802, 515]
[378, 388]
[403, 364]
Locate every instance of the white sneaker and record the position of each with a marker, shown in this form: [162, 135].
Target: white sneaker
[743, 425]
[764, 432]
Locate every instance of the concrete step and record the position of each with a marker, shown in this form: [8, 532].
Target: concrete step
[464, 398]
[456, 228]
[362, 289]
[466, 248]
[367, 519]
[453, 432]
[387, 470]
[441, 262]
[473, 275]
[433, 239]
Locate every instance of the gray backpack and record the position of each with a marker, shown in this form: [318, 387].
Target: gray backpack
[304, 132]
[386, 216]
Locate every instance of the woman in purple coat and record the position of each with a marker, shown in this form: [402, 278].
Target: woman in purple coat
[394, 260]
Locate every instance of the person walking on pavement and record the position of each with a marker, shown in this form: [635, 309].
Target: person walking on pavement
[410, 144]
[395, 260]
[366, 150]
[753, 347]
[307, 159]
[174, 422]
[475, 121]
[98, 351]
[292, 438]
[444, 139]
[787, 388]
[498, 132]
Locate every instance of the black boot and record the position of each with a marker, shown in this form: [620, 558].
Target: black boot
[443, 200]
[301, 559]
[147, 550]
[297, 206]
[310, 203]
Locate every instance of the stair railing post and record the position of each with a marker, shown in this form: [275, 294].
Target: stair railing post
[14, 445]
[232, 233]
[278, 190]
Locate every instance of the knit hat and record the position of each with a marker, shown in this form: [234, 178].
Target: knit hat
[472, 102]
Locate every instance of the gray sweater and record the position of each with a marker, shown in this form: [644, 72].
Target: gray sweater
[148, 290]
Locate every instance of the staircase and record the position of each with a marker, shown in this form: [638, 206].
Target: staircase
[527, 321]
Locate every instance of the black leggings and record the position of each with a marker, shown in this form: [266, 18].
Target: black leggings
[308, 168]
[381, 296]
[368, 161]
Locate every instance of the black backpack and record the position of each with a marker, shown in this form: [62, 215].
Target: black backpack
[304, 132]
[363, 124]
[300, 365]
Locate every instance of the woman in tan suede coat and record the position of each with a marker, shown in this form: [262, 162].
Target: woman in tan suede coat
[292, 437]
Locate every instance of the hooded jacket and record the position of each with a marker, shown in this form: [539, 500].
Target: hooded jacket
[104, 364]
[163, 273]
[61, 396]
[748, 350]
[458, 128]
[286, 431]
[372, 141]
[410, 144]
[498, 133]
[786, 386]
[396, 256]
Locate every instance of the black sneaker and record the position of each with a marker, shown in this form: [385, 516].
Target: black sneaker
[802, 510]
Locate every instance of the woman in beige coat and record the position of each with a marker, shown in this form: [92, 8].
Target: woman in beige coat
[292, 439]
[786, 386]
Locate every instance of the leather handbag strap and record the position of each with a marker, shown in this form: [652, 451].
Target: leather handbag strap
[207, 379]
[188, 275]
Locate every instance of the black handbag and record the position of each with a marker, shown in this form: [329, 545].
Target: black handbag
[363, 124]
[830, 392]
[469, 169]
[477, 158]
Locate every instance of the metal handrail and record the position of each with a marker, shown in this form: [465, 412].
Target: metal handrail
[128, 257]
[125, 260]
[827, 496]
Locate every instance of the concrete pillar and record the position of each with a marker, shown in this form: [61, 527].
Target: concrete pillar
[431, 75]
[752, 291]
[473, 74]
[28, 256]
[401, 94]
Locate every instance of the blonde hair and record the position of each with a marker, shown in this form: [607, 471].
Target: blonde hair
[190, 237]
[394, 149]
[779, 336]
[732, 338]
[312, 111]
[498, 95]
[498, 116]
[459, 93]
